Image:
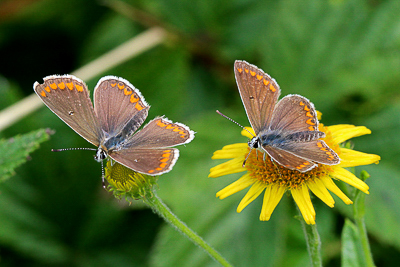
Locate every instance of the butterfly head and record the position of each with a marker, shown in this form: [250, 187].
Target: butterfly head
[254, 142]
[101, 154]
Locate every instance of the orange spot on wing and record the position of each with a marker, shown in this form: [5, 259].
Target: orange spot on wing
[259, 77]
[161, 124]
[127, 91]
[306, 108]
[70, 86]
[272, 88]
[252, 73]
[246, 70]
[308, 114]
[311, 128]
[53, 86]
[47, 89]
[138, 106]
[134, 99]
[265, 82]
[42, 93]
[61, 85]
[79, 88]
[121, 86]
[166, 155]
[151, 171]
[301, 103]
[163, 165]
[164, 160]
[240, 70]
[113, 84]
[310, 122]
[183, 134]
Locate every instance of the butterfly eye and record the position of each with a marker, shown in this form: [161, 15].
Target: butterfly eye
[100, 155]
[253, 143]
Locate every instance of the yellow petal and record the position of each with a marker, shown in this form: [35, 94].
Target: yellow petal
[273, 194]
[231, 151]
[249, 133]
[244, 182]
[349, 178]
[352, 158]
[232, 166]
[302, 198]
[252, 194]
[334, 189]
[319, 189]
[341, 133]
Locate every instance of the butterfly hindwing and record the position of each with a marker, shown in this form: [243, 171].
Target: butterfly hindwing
[161, 132]
[289, 160]
[148, 161]
[149, 150]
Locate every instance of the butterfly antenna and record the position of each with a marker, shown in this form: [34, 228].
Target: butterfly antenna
[226, 117]
[248, 155]
[73, 148]
[102, 176]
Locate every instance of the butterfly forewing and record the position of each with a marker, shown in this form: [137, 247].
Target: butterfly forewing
[259, 93]
[294, 113]
[68, 97]
[118, 103]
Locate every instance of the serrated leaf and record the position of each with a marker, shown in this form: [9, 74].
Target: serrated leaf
[15, 151]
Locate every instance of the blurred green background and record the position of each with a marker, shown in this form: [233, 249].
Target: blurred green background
[343, 55]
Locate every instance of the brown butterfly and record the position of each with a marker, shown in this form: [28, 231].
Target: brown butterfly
[119, 110]
[287, 130]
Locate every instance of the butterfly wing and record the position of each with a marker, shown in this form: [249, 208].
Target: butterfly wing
[294, 113]
[147, 161]
[259, 93]
[295, 117]
[289, 160]
[120, 107]
[68, 97]
[149, 150]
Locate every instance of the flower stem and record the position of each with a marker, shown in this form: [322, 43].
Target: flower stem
[359, 212]
[158, 206]
[313, 242]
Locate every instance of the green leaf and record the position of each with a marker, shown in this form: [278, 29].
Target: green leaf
[16, 150]
[351, 247]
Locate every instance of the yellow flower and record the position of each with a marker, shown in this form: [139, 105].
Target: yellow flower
[276, 180]
[124, 182]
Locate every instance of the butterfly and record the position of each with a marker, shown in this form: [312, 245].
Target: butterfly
[119, 110]
[287, 130]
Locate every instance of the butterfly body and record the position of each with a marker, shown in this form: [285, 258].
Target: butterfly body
[287, 130]
[112, 123]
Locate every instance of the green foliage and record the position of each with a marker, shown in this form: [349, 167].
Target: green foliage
[343, 55]
[16, 151]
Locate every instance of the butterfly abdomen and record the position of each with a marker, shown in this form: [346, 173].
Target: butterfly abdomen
[278, 139]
